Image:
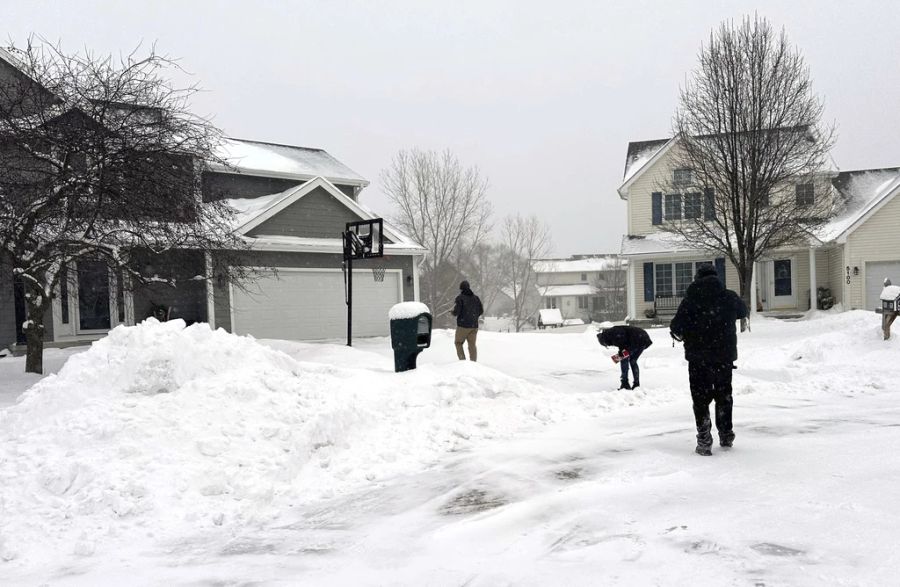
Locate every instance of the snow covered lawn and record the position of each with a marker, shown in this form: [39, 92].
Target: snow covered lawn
[166, 455]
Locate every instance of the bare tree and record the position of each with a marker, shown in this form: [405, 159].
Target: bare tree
[100, 161]
[610, 285]
[485, 266]
[526, 240]
[750, 145]
[444, 207]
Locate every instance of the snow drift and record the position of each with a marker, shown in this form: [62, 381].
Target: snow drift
[172, 424]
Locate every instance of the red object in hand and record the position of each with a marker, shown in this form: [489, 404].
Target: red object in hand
[617, 357]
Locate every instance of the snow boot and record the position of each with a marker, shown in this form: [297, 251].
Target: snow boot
[726, 440]
[624, 384]
[636, 384]
[703, 450]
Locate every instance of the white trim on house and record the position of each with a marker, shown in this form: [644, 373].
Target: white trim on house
[415, 273]
[219, 168]
[294, 244]
[623, 189]
[870, 210]
[210, 292]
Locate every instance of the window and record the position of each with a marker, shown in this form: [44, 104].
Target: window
[693, 206]
[551, 303]
[805, 194]
[664, 280]
[584, 277]
[582, 302]
[673, 279]
[682, 177]
[673, 207]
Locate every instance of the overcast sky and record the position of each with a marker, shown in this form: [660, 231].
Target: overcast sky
[542, 96]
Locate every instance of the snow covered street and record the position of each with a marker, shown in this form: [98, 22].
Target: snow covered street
[166, 455]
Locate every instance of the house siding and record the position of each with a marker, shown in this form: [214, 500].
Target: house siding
[222, 296]
[221, 186]
[731, 278]
[836, 273]
[318, 214]
[653, 179]
[877, 239]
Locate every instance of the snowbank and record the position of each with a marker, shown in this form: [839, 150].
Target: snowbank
[159, 426]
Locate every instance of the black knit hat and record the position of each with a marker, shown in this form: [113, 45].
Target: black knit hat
[464, 285]
[706, 271]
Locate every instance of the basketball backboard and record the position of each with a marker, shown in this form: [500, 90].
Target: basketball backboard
[364, 239]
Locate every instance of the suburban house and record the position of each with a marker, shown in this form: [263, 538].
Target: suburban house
[292, 205]
[583, 287]
[850, 256]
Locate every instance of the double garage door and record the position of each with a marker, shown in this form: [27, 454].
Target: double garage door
[875, 274]
[308, 304]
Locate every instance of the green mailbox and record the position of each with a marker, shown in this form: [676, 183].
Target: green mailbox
[410, 333]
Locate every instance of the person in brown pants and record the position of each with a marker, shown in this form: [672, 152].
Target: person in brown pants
[467, 310]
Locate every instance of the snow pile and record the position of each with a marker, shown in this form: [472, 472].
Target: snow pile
[405, 310]
[162, 426]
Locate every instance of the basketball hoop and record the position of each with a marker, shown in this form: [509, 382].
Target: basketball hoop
[378, 273]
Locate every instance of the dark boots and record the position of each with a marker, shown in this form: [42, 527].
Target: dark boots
[624, 384]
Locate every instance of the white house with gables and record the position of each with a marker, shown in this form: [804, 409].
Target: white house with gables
[850, 256]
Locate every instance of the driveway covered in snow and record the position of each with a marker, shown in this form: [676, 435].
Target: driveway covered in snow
[186, 456]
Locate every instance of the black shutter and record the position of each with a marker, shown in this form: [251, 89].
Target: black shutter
[648, 282]
[709, 204]
[720, 269]
[657, 207]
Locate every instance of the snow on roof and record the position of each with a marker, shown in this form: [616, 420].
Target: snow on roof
[550, 316]
[639, 153]
[270, 158]
[575, 265]
[862, 190]
[581, 289]
[249, 208]
[660, 242]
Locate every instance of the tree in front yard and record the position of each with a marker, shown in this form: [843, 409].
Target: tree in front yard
[526, 239]
[751, 147]
[100, 162]
[443, 206]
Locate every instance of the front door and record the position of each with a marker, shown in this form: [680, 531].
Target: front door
[782, 284]
[93, 297]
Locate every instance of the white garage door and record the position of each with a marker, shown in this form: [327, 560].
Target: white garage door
[301, 304]
[875, 274]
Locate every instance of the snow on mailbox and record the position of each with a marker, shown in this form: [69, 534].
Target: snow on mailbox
[890, 306]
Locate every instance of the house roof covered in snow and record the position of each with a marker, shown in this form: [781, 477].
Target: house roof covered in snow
[581, 289]
[576, 265]
[863, 192]
[659, 242]
[639, 153]
[275, 160]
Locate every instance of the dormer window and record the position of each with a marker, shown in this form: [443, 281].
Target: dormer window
[805, 194]
[584, 277]
[682, 177]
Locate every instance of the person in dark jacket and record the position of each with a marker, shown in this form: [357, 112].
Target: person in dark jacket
[705, 322]
[632, 339]
[467, 310]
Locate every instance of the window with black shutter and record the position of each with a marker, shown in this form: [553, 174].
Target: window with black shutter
[692, 206]
[709, 204]
[656, 201]
[673, 207]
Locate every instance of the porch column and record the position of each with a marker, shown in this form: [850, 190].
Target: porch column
[753, 290]
[812, 278]
[210, 292]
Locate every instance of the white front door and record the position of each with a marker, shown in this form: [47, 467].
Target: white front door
[781, 275]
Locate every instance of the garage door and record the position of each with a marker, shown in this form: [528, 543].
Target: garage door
[875, 274]
[302, 304]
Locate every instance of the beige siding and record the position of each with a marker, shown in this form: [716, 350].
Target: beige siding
[878, 239]
[836, 273]
[731, 279]
[654, 178]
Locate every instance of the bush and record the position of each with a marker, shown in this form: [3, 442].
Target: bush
[824, 299]
[650, 313]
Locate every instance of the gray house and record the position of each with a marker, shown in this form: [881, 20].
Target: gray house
[292, 203]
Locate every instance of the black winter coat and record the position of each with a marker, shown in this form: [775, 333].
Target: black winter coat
[467, 309]
[625, 337]
[705, 321]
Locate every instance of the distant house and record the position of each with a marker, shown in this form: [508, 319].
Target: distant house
[293, 203]
[850, 256]
[586, 287]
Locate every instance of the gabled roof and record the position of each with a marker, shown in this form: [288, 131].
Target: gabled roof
[864, 192]
[286, 161]
[251, 212]
[640, 157]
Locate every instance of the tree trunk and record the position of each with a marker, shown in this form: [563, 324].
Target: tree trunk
[35, 303]
[745, 274]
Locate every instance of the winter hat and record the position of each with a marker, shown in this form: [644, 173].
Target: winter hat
[706, 271]
[464, 285]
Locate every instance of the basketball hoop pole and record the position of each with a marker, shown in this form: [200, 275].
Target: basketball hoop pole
[348, 258]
